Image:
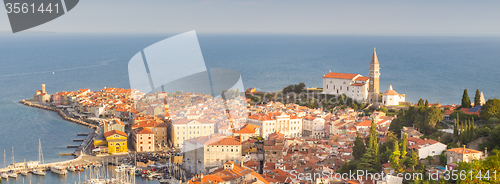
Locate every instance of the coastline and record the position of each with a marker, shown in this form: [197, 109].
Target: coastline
[86, 143]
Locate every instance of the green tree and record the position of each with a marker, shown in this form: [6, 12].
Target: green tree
[358, 150]
[426, 103]
[490, 109]
[455, 129]
[490, 166]
[413, 160]
[395, 158]
[370, 161]
[465, 100]
[420, 103]
[462, 138]
[403, 150]
[477, 98]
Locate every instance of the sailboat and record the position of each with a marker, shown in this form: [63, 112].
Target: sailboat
[12, 173]
[40, 160]
[24, 172]
[4, 175]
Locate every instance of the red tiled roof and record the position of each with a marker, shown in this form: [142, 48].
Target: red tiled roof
[113, 132]
[340, 75]
[227, 141]
[362, 78]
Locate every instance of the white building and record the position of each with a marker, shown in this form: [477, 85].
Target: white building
[426, 147]
[143, 139]
[207, 152]
[188, 129]
[289, 126]
[354, 86]
[391, 97]
[314, 127]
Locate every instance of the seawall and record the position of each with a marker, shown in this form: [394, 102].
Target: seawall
[88, 140]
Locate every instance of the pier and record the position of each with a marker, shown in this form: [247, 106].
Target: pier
[60, 112]
[85, 143]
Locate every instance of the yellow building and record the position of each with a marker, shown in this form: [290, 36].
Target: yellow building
[117, 141]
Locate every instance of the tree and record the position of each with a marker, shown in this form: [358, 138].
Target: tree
[466, 132]
[455, 129]
[413, 160]
[490, 166]
[490, 109]
[426, 103]
[465, 100]
[370, 161]
[420, 103]
[358, 150]
[477, 98]
[395, 158]
[403, 150]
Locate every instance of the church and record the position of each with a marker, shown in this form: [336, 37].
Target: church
[357, 87]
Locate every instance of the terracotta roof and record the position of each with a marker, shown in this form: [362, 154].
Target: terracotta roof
[113, 132]
[365, 123]
[340, 75]
[247, 129]
[422, 143]
[142, 130]
[226, 141]
[463, 150]
[363, 78]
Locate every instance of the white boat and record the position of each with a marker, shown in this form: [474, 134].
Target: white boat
[24, 173]
[4, 175]
[12, 174]
[72, 168]
[58, 170]
[39, 172]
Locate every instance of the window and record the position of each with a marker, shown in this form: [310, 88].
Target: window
[340, 87]
[347, 88]
[149, 137]
[333, 86]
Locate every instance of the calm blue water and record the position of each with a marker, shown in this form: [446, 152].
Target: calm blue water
[433, 68]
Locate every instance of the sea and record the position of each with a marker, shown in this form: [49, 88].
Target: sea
[436, 68]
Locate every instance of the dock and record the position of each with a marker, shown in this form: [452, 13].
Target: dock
[82, 134]
[78, 140]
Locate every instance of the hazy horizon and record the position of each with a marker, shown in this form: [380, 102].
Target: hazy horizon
[389, 17]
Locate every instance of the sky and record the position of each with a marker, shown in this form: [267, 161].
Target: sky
[364, 17]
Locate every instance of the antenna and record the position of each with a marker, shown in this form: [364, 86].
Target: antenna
[374, 49]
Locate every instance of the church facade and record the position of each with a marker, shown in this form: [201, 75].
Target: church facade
[355, 86]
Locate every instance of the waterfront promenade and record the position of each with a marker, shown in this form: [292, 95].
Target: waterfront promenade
[79, 153]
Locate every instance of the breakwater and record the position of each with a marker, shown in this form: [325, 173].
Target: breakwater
[86, 142]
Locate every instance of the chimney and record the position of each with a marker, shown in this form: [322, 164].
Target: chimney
[425, 141]
[464, 150]
[485, 152]
[439, 139]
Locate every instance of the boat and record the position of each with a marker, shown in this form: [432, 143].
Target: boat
[40, 160]
[39, 172]
[58, 170]
[24, 173]
[72, 169]
[4, 175]
[12, 174]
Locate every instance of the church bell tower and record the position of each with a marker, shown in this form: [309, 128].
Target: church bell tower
[374, 74]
